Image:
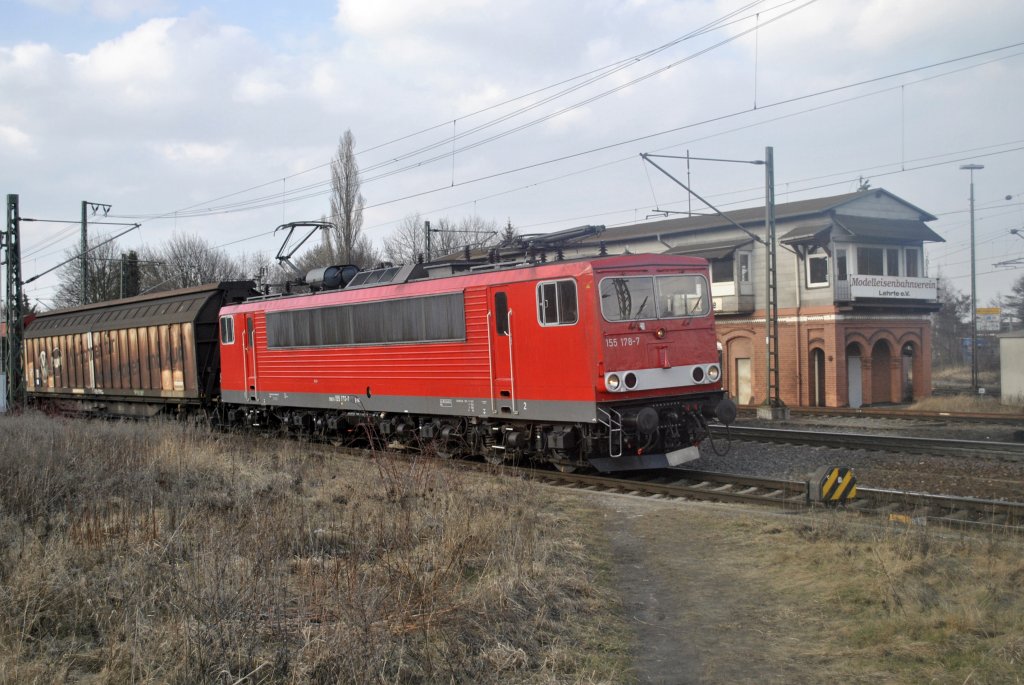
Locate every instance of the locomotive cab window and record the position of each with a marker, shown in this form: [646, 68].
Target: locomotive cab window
[227, 330]
[664, 297]
[556, 303]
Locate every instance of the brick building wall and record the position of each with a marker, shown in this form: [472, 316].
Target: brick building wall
[893, 352]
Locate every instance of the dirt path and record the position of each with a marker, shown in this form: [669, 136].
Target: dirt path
[692, 590]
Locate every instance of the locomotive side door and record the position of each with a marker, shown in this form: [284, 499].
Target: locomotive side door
[501, 329]
[249, 352]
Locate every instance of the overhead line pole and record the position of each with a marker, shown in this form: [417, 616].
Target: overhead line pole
[772, 401]
[772, 304]
[95, 206]
[15, 330]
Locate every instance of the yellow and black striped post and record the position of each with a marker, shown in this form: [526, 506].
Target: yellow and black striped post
[833, 485]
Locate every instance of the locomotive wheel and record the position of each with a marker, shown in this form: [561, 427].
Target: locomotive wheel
[494, 459]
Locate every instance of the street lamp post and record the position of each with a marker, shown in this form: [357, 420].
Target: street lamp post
[974, 287]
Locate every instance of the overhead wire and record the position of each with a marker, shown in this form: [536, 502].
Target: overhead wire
[274, 200]
[601, 72]
[310, 187]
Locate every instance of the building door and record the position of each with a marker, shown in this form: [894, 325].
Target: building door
[817, 377]
[853, 381]
[742, 386]
[908, 372]
[881, 373]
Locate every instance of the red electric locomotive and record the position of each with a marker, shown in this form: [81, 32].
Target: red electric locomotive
[610, 361]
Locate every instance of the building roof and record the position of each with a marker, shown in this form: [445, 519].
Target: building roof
[865, 228]
[753, 217]
[887, 229]
[716, 250]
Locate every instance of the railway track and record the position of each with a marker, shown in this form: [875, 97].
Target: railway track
[905, 414]
[906, 507]
[888, 443]
[789, 495]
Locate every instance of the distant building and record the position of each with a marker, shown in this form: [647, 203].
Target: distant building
[1011, 376]
[853, 296]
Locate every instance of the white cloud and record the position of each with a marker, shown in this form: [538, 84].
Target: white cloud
[203, 153]
[258, 87]
[390, 16]
[16, 140]
[143, 56]
[183, 107]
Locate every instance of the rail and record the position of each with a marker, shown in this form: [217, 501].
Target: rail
[895, 505]
[865, 441]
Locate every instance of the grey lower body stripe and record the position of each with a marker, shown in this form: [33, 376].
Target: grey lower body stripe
[526, 410]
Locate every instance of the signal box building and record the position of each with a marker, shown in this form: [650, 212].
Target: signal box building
[852, 294]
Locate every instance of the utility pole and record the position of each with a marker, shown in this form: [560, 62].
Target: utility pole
[12, 366]
[95, 206]
[426, 240]
[772, 303]
[974, 286]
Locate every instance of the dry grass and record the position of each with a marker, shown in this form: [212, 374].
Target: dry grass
[988, 404]
[911, 603]
[150, 553]
[961, 375]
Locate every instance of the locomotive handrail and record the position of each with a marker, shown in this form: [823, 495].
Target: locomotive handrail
[490, 362]
[511, 364]
[614, 424]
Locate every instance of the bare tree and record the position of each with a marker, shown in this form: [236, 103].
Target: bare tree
[188, 260]
[1014, 303]
[345, 243]
[404, 244]
[948, 324]
[104, 265]
[407, 242]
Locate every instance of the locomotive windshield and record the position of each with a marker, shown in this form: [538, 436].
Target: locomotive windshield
[663, 297]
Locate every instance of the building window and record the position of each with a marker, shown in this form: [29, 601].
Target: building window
[817, 270]
[870, 261]
[556, 303]
[841, 265]
[892, 261]
[912, 268]
[888, 261]
[744, 261]
[722, 271]
[227, 330]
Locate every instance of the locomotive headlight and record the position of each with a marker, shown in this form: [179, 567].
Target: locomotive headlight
[714, 372]
[612, 381]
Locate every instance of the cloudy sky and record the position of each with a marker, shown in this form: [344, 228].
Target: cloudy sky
[220, 118]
